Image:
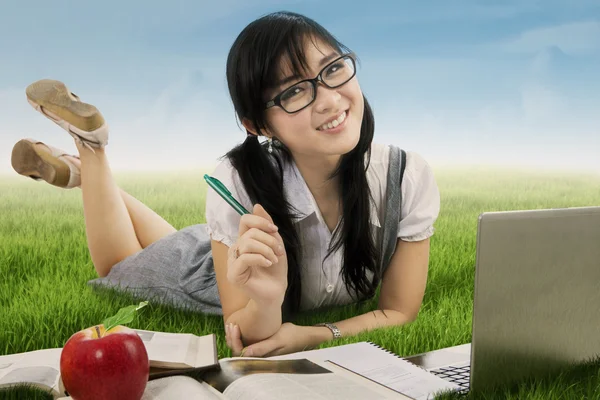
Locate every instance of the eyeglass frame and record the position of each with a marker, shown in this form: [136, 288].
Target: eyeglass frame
[276, 101]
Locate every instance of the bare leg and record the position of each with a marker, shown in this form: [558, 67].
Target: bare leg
[117, 225]
[148, 225]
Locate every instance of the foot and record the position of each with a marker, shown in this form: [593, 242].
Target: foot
[39, 161]
[81, 120]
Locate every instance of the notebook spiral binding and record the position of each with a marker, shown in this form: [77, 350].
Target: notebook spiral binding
[394, 354]
[384, 349]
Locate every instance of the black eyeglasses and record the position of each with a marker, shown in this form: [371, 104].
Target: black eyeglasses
[303, 93]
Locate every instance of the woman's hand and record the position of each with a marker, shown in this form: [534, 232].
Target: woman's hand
[289, 338]
[257, 262]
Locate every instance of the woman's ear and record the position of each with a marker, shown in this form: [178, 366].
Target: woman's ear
[249, 126]
[252, 129]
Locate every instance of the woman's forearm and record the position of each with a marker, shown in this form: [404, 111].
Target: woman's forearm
[257, 321]
[373, 320]
[357, 324]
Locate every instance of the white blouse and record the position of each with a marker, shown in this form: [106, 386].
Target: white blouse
[322, 283]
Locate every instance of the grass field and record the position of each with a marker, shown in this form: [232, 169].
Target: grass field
[45, 264]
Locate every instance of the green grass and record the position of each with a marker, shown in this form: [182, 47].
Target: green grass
[45, 264]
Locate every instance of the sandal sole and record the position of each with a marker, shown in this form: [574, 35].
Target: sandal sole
[28, 160]
[56, 98]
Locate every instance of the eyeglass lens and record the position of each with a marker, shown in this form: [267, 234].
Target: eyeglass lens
[334, 75]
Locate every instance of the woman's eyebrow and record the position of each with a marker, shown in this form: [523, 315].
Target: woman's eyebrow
[291, 78]
[328, 58]
[287, 80]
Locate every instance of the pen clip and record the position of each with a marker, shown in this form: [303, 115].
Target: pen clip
[225, 194]
[218, 183]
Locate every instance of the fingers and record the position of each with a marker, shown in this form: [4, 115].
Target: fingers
[234, 339]
[267, 347]
[261, 212]
[261, 221]
[259, 245]
[256, 241]
[252, 252]
[228, 335]
[273, 241]
[239, 270]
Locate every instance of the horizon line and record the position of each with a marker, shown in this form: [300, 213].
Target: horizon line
[437, 167]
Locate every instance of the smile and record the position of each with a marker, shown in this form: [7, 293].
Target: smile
[330, 126]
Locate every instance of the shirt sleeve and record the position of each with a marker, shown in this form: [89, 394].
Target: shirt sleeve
[222, 221]
[420, 200]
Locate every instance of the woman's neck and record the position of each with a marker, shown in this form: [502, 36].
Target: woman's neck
[316, 173]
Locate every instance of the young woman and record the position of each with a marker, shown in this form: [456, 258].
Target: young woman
[316, 191]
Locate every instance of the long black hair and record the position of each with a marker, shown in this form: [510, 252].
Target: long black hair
[253, 65]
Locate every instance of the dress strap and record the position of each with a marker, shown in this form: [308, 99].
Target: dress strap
[393, 205]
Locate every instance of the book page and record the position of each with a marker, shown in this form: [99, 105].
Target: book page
[179, 350]
[298, 387]
[233, 369]
[377, 387]
[176, 387]
[179, 387]
[382, 367]
[40, 368]
[258, 378]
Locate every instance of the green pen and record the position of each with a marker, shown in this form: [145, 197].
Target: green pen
[225, 194]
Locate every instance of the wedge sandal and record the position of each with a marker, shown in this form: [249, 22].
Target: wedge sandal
[48, 164]
[82, 121]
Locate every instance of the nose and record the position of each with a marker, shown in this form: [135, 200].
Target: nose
[326, 99]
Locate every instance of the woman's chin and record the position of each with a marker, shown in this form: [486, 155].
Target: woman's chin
[343, 144]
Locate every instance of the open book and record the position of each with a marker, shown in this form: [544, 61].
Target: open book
[169, 354]
[354, 371]
[265, 379]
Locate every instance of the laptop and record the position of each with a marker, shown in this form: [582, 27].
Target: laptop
[536, 297]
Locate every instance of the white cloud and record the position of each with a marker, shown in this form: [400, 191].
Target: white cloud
[541, 104]
[547, 60]
[574, 38]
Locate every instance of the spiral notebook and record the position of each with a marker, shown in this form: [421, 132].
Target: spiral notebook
[380, 365]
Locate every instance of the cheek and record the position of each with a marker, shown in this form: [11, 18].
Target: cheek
[354, 89]
[358, 106]
[291, 128]
[354, 94]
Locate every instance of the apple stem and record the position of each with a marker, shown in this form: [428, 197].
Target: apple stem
[98, 331]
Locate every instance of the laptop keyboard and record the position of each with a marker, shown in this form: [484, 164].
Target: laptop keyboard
[459, 374]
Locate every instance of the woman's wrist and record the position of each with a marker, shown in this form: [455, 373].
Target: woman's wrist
[319, 334]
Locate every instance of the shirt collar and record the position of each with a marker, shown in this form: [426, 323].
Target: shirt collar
[302, 200]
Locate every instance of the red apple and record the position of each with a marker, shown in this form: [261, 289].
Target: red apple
[95, 364]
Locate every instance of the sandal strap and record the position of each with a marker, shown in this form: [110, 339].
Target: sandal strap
[56, 152]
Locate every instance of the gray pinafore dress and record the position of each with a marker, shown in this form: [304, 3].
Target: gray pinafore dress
[178, 269]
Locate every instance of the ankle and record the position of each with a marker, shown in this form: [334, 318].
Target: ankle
[84, 150]
[74, 159]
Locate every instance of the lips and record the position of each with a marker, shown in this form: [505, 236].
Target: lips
[334, 122]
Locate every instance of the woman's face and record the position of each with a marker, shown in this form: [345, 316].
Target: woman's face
[304, 132]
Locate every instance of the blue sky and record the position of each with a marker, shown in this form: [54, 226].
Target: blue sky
[512, 83]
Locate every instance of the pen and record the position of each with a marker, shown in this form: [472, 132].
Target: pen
[225, 194]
